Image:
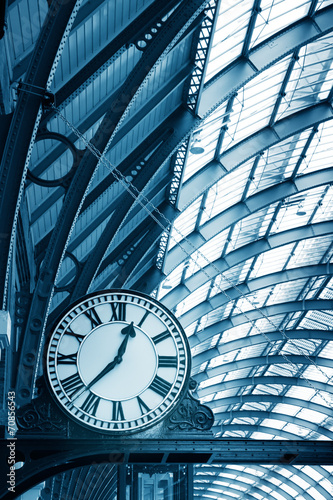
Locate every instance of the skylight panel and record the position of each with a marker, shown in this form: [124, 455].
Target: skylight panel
[250, 228]
[192, 300]
[222, 359]
[209, 252]
[229, 35]
[324, 318]
[204, 141]
[310, 251]
[311, 416]
[286, 409]
[216, 315]
[278, 162]
[234, 333]
[327, 293]
[250, 114]
[232, 276]
[271, 261]
[225, 193]
[282, 370]
[276, 15]
[319, 154]
[24, 20]
[297, 210]
[311, 78]
[171, 281]
[305, 393]
[286, 292]
[185, 223]
[237, 374]
[325, 207]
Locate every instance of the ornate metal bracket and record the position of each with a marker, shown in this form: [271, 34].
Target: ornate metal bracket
[191, 415]
[39, 418]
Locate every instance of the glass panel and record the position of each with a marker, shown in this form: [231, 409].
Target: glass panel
[275, 15]
[229, 34]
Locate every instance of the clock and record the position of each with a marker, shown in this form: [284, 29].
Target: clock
[117, 361]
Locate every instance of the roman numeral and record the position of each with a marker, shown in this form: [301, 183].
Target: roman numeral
[78, 336]
[72, 384]
[91, 314]
[143, 407]
[160, 386]
[117, 411]
[161, 336]
[118, 311]
[167, 361]
[66, 359]
[91, 403]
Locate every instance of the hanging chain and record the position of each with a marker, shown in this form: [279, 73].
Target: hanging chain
[138, 196]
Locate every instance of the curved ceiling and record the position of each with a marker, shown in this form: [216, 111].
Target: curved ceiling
[187, 155]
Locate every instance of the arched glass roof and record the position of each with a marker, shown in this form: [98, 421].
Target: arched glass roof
[188, 156]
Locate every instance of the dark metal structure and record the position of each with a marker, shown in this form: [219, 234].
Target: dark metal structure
[182, 149]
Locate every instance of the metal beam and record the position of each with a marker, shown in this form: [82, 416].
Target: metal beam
[194, 282]
[164, 40]
[262, 361]
[264, 379]
[64, 454]
[275, 472]
[130, 34]
[24, 126]
[194, 241]
[252, 146]
[251, 340]
[270, 415]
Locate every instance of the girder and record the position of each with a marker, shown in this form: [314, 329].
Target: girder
[130, 270]
[24, 125]
[133, 32]
[195, 240]
[252, 340]
[273, 359]
[264, 379]
[158, 136]
[252, 146]
[228, 492]
[92, 118]
[65, 454]
[180, 292]
[170, 32]
[239, 429]
[277, 473]
[258, 313]
[271, 415]
[262, 56]
[255, 486]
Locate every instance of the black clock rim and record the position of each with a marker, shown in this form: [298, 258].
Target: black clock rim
[148, 425]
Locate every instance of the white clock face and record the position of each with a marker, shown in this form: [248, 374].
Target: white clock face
[118, 361]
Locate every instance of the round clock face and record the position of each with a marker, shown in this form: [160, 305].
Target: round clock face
[118, 361]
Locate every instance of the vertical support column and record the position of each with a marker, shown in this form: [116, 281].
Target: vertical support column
[121, 482]
[189, 482]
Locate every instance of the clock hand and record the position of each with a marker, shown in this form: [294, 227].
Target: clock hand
[128, 331]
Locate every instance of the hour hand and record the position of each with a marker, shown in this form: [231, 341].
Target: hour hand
[128, 331]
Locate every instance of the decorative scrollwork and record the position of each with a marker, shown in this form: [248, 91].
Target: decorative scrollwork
[40, 418]
[191, 415]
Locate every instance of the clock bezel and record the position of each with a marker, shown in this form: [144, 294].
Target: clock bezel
[177, 398]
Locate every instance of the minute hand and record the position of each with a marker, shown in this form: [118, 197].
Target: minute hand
[128, 331]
